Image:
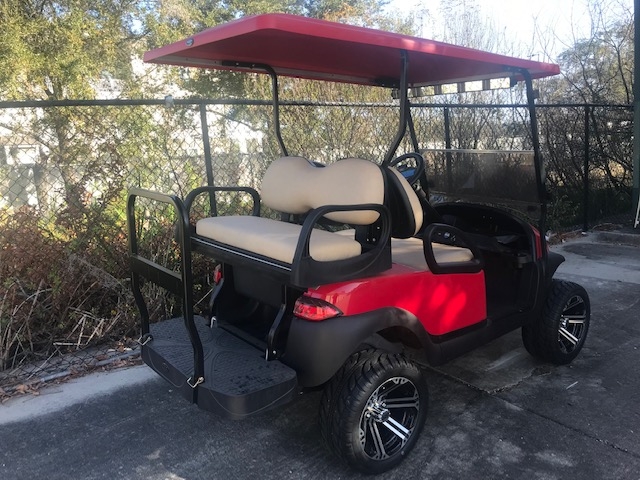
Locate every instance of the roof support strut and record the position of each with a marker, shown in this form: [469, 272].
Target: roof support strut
[274, 95]
[403, 87]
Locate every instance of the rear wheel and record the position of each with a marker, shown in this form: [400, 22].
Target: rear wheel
[373, 410]
[560, 334]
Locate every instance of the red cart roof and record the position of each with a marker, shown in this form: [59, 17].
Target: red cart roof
[317, 49]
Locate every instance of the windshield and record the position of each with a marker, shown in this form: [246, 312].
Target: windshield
[502, 177]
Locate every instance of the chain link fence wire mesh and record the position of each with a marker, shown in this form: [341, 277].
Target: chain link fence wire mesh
[65, 170]
[588, 151]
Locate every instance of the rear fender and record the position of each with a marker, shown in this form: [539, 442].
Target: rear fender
[553, 262]
[316, 350]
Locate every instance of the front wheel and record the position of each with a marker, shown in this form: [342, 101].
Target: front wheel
[373, 410]
[560, 334]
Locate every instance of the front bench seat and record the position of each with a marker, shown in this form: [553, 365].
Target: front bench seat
[424, 252]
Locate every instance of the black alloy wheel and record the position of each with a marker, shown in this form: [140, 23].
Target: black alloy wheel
[373, 410]
[560, 334]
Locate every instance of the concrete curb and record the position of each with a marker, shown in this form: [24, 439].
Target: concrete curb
[631, 239]
[75, 391]
[44, 380]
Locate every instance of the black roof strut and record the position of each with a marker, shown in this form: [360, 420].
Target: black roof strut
[274, 93]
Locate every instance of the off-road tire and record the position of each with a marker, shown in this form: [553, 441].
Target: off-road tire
[362, 400]
[559, 335]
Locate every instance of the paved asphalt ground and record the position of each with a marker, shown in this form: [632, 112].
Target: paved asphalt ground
[494, 413]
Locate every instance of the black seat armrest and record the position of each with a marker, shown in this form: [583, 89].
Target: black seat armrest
[375, 257]
[450, 235]
[255, 196]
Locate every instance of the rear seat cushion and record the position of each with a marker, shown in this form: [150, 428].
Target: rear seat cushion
[295, 185]
[275, 239]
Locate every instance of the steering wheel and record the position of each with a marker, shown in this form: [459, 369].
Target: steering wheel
[411, 173]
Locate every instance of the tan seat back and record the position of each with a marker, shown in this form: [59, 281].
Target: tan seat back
[295, 185]
[407, 215]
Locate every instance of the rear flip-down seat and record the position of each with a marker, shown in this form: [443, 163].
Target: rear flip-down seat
[275, 239]
[351, 191]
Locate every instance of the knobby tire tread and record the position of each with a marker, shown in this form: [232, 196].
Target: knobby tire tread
[338, 402]
[541, 338]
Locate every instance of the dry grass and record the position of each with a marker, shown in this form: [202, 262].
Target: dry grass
[56, 297]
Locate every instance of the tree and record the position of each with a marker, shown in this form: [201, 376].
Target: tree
[597, 69]
[62, 49]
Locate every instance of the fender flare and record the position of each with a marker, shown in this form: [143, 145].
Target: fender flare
[317, 350]
[553, 262]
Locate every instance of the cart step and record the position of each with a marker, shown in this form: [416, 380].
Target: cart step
[238, 380]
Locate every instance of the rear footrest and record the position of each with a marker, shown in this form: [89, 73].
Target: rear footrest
[238, 380]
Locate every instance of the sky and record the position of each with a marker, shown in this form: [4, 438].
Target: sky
[560, 21]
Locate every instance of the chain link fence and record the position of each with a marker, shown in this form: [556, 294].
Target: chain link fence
[588, 150]
[65, 170]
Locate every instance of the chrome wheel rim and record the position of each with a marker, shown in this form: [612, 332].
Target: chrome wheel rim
[572, 326]
[389, 418]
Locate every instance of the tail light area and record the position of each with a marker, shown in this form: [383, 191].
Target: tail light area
[315, 309]
[538, 240]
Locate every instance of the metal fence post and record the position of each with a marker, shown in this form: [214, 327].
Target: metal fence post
[585, 171]
[635, 192]
[207, 158]
[447, 146]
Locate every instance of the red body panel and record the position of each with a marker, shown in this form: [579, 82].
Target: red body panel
[443, 303]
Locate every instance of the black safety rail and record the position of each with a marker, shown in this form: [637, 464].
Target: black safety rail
[179, 284]
[210, 366]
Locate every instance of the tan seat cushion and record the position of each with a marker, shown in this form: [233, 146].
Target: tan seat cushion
[409, 252]
[275, 239]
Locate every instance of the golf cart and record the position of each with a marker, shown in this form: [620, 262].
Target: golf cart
[363, 279]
